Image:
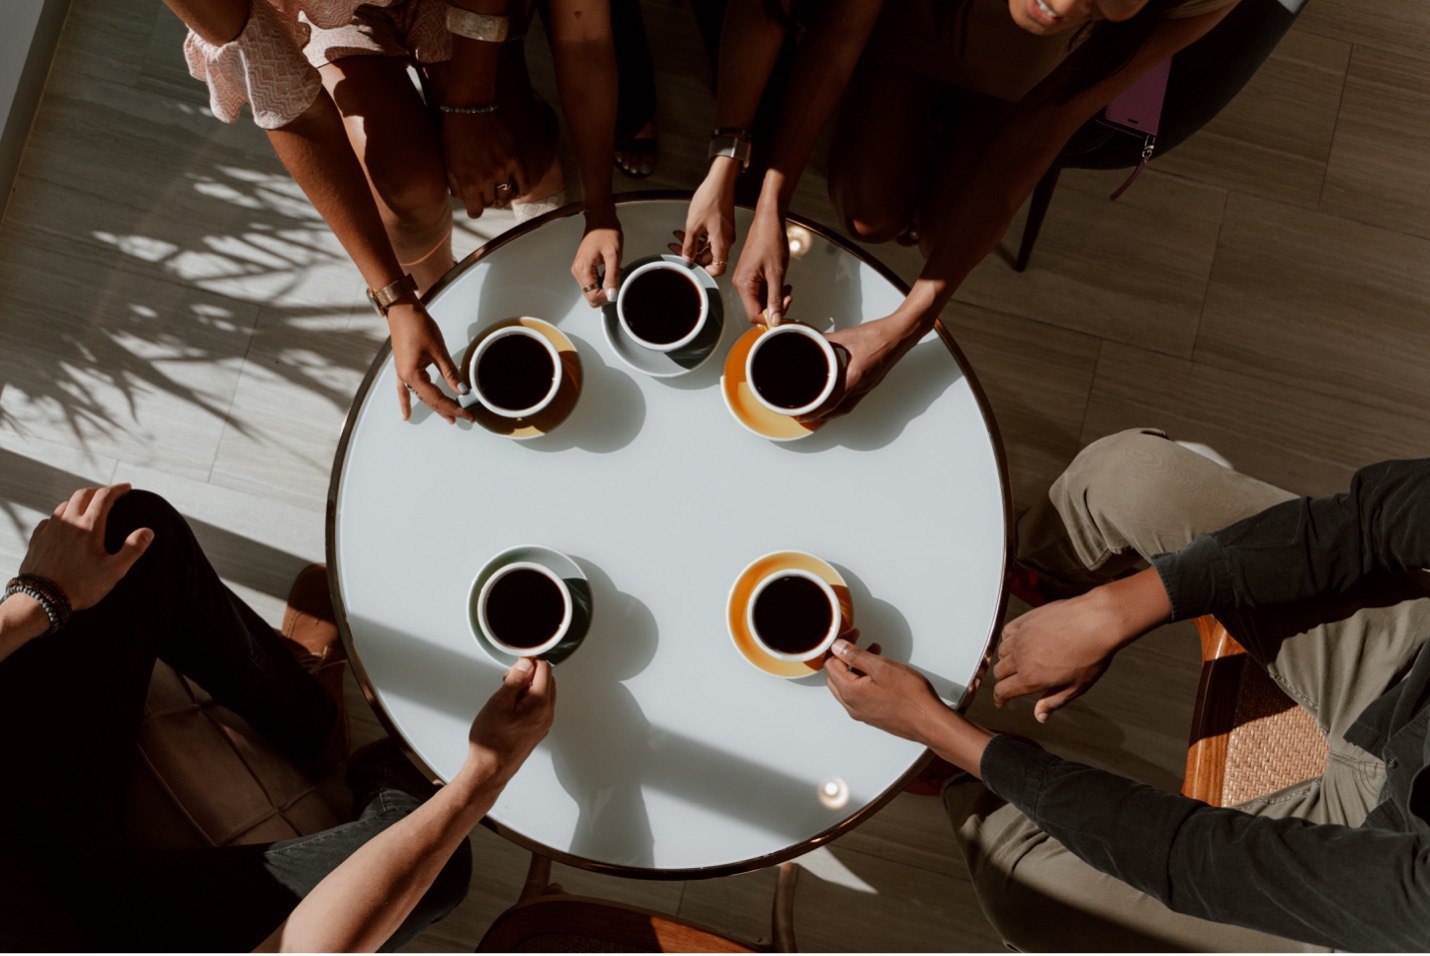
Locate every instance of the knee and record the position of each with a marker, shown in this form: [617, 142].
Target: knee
[414, 199]
[866, 211]
[1119, 461]
[143, 509]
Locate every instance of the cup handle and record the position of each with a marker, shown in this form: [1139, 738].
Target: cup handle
[469, 399]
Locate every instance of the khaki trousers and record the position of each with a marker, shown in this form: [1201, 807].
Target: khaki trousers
[1123, 499]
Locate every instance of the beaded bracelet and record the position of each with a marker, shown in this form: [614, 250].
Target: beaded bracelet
[469, 110]
[46, 593]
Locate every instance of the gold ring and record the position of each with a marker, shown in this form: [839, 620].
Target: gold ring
[591, 288]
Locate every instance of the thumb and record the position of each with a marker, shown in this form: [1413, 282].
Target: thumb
[518, 676]
[688, 244]
[613, 273]
[132, 549]
[1045, 706]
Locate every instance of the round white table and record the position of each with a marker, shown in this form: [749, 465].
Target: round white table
[671, 755]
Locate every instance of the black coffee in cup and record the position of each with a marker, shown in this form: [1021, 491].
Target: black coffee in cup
[661, 306]
[524, 608]
[789, 370]
[515, 372]
[792, 614]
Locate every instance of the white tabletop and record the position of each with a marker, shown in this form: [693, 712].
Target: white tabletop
[670, 755]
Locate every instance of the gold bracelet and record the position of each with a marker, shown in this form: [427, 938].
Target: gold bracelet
[486, 27]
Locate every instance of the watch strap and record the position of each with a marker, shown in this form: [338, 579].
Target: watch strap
[731, 141]
[393, 293]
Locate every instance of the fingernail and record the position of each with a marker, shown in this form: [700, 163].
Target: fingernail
[611, 293]
[841, 646]
[462, 388]
[524, 665]
[1042, 718]
[775, 318]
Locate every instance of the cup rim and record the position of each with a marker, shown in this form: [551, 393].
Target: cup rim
[830, 358]
[825, 642]
[544, 646]
[684, 340]
[481, 349]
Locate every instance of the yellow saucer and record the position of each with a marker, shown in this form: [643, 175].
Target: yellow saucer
[739, 599]
[741, 401]
[567, 392]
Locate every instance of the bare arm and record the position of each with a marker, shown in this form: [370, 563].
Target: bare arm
[585, 59]
[359, 905]
[315, 150]
[1007, 170]
[750, 45]
[825, 61]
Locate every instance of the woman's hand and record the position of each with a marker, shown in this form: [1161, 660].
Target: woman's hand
[760, 274]
[515, 719]
[68, 547]
[484, 160]
[872, 349]
[710, 220]
[601, 245]
[416, 344]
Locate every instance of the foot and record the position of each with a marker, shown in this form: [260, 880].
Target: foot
[310, 632]
[636, 156]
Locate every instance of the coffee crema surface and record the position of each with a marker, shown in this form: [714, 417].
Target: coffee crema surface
[789, 371]
[524, 608]
[661, 306]
[515, 372]
[792, 615]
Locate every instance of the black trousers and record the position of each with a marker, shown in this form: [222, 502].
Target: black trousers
[70, 706]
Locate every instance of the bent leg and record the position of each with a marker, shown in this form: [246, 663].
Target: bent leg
[879, 158]
[1042, 898]
[398, 146]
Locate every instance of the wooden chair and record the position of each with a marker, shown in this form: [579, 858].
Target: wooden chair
[1248, 738]
[546, 919]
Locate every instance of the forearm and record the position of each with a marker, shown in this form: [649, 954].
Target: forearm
[473, 71]
[1308, 546]
[359, 905]
[21, 621]
[750, 44]
[316, 152]
[1337, 886]
[957, 740]
[825, 61]
[585, 59]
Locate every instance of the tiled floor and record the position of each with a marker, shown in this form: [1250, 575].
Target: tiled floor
[175, 315]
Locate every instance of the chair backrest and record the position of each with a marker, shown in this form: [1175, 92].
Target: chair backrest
[1248, 738]
[577, 924]
[1204, 78]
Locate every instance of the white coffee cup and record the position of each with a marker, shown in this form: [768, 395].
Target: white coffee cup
[633, 279]
[484, 600]
[830, 370]
[813, 652]
[489, 402]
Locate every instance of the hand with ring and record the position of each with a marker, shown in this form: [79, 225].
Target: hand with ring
[483, 158]
[416, 345]
[599, 255]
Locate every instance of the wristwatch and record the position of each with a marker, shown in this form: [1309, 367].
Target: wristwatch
[389, 295]
[731, 141]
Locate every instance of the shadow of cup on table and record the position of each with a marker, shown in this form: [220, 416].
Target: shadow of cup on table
[599, 739]
[908, 391]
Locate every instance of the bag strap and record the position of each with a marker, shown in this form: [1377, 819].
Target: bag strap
[1138, 110]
